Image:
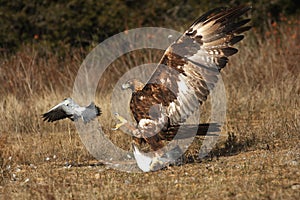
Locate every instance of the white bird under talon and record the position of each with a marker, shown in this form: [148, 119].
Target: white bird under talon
[148, 163]
[122, 121]
[156, 164]
[143, 161]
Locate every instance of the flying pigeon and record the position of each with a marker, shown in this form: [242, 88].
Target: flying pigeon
[70, 109]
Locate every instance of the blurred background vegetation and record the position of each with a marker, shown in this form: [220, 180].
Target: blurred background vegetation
[61, 25]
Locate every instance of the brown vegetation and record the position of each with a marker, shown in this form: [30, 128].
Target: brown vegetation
[260, 158]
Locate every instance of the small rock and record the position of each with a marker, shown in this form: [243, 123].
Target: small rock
[14, 177]
[296, 187]
[127, 182]
[294, 163]
[32, 166]
[97, 176]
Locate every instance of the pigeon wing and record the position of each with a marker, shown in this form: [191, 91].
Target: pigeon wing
[56, 113]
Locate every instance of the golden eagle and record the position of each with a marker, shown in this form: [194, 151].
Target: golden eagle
[183, 78]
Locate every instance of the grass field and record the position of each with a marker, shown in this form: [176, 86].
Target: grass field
[257, 157]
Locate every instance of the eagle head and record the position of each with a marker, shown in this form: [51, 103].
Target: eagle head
[133, 84]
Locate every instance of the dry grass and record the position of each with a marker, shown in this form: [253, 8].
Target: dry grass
[260, 158]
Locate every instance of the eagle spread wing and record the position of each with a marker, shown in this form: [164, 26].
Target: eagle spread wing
[188, 71]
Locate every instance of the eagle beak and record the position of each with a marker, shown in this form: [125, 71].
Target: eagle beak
[143, 161]
[125, 86]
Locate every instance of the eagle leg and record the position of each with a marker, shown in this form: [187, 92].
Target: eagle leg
[122, 121]
[128, 126]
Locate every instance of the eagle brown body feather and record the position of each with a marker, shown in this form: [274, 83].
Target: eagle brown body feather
[187, 72]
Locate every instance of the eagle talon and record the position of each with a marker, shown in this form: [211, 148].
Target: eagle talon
[121, 119]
